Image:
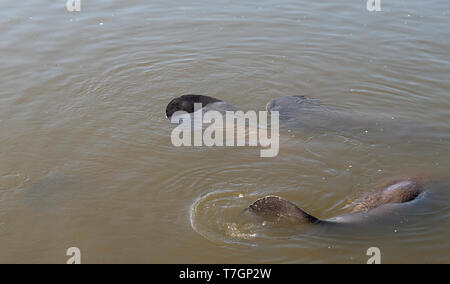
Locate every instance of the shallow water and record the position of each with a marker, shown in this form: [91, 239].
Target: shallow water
[86, 155]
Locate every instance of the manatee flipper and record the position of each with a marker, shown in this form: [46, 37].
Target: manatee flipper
[52, 190]
[274, 208]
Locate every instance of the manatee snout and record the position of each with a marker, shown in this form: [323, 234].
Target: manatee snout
[187, 103]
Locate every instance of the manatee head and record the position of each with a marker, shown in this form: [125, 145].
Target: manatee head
[186, 103]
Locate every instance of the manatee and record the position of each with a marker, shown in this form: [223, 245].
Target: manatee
[312, 116]
[291, 107]
[298, 112]
[398, 191]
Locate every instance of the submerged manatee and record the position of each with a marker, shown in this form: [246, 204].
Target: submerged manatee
[312, 116]
[298, 112]
[303, 113]
[274, 208]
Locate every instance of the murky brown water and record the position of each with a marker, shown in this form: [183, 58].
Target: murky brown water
[86, 156]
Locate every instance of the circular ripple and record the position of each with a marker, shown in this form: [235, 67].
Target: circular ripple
[216, 216]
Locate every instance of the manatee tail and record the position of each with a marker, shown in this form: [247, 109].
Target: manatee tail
[274, 208]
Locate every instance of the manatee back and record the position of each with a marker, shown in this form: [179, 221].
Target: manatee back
[396, 191]
[291, 107]
[302, 113]
[187, 103]
[312, 115]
